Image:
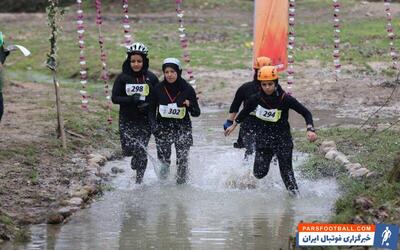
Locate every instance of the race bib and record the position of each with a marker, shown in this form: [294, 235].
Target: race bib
[142, 89]
[172, 111]
[270, 115]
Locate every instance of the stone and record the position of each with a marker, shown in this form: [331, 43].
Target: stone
[97, 158]
[91, 189]
[327, 146]
[363, 203]
[372, 174]
[357, 220]
[116, 170]
[341, 158]
[82, 193]
[55, 218]
[75, 201]
[359, 172]
[331, 154]
[67, 211]
[352, 166]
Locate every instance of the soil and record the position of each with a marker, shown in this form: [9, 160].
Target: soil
[27, 199]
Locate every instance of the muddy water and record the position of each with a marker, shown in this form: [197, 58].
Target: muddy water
[207, 213]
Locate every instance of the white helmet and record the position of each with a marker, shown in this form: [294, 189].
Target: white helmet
[137, 47]
[173, 61]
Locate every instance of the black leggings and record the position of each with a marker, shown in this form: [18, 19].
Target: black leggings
[247, 136]
[263, 159]
[1, 105]
[134, 140]
[182, 157]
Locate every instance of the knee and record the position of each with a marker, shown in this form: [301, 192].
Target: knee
[258, 174]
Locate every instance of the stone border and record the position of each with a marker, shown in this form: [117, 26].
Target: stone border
[80, 195]
[356, 170]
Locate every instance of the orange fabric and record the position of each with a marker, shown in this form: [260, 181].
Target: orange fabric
[270, 31]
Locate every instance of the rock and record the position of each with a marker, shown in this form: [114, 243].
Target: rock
[116, 170]
[351, 167]
[97, 158]
[331, 154]
[82, 193]
[67, 211]
[359, 172]
[382, 215]
[372, 174]
[55, 218]
[327, 146]
[341, 158]
[75, 201]
[357, 220]
[91, 189]
[28, 218]
[362, 203]
[92, 165]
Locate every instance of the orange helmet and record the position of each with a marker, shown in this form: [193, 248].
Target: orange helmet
[268, 73]
[262, 61]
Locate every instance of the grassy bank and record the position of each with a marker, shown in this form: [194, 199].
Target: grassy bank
[377, 152]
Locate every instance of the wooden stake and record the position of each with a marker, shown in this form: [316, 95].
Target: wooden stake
[60, 120]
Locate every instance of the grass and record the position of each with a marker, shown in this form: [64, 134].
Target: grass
[215, 43]
[373, 150]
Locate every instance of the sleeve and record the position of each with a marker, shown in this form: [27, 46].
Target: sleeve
[250, 106]
[118, 96]
[237, 101]
[193, 108]
[300, 108]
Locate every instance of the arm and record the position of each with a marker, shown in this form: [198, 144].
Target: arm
[192, 105]
[234, 108]
[248, 108]
[117, 97]
[302, 110]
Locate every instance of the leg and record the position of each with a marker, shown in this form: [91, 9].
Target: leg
[164, 152]
[164, 156]
[139, 158]
[249, 136]
[125, 133]
[261, 162]
[182, 161]
[286, 169]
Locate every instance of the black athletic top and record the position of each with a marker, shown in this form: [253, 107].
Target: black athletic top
[272, 112]
[123, 94]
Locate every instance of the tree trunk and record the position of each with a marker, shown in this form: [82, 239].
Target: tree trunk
[60, 120]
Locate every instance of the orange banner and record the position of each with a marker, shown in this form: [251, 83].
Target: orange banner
[270, 30]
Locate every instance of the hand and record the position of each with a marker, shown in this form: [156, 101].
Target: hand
[227, 124]
[135, 98]
[229, 130]
[311, 136]
[186, 103]
[143, 106]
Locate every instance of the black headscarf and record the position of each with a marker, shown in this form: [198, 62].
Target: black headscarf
[276, 97]
[179, 84]
[126, 66]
